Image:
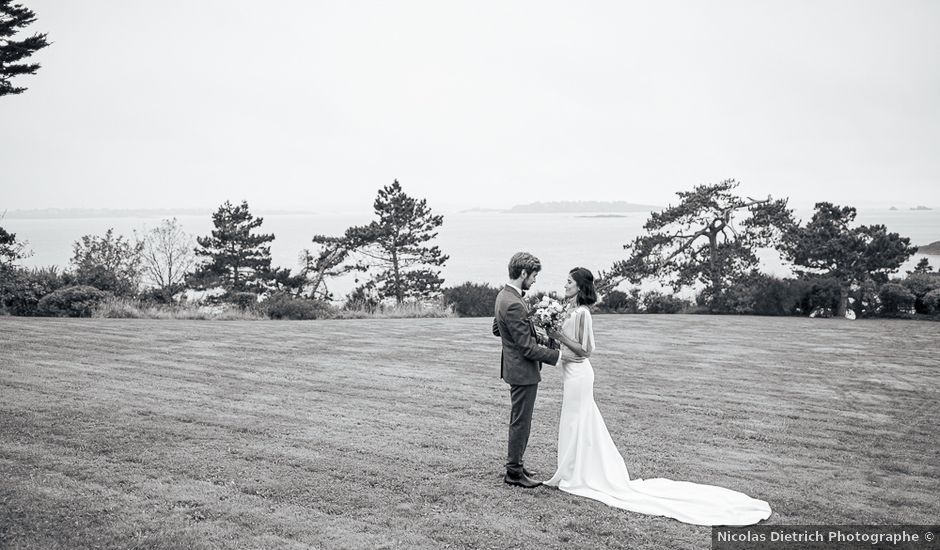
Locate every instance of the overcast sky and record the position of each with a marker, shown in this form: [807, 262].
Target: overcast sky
[315, 105]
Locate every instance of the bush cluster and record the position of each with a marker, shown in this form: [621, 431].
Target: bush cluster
[658, 302]
[896, 300]
[618, 301]
[472, 299]
[766, 295]
[285, 306]
[761, 294]
[920, 285]
[931, 302]
[22, 289]
[72, 301]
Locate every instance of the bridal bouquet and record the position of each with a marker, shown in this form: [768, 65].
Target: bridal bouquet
[548, 314]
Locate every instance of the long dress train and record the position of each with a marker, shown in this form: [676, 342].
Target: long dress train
[589, 464]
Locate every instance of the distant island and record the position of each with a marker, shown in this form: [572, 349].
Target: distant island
[53, 213]
[932, 249]
[580, 207]
[921, 207]
[893, 208]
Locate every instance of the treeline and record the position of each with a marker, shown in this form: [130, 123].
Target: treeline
[706, 245]
[231, 268]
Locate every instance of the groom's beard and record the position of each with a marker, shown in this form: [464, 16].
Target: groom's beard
[526, 284]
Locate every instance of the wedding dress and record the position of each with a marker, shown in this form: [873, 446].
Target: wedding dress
[589, 464]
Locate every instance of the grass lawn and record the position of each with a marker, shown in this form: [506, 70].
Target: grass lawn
[392, 433]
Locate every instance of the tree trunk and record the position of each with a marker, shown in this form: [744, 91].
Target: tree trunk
[316, 284]
[713, 261]
[843, 300]
[399, 295]
[234, 269]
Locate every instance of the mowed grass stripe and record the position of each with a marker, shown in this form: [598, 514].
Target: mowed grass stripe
[391, 433]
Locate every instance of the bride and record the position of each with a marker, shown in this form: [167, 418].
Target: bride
[589, 464]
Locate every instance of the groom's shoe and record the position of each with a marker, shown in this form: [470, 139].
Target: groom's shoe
[527, 473]
[521, 480]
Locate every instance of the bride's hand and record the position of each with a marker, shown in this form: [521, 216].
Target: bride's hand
[555, 335]
[568, 356]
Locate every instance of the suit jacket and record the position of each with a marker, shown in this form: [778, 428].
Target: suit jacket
[522, 356]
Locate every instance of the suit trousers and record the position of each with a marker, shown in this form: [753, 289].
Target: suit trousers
[520, 421]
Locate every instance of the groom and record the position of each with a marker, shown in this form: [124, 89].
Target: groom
[523, 355]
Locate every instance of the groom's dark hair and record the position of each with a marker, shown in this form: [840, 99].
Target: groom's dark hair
[523, 261]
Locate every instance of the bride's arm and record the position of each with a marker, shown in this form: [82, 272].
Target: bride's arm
[584, 347]
[575, 347]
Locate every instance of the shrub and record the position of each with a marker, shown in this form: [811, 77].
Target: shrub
[896, 299]
[657, 302]
[736, 299]
[761, 294]
[107, 262]
[773, 296]
[24, 288]
[920, 284]
[864, 299]
[72, 301]
[285, 306]
[244, 300]
[932, 302]
[101, 278]
[617, 301]
[161, 296]
[363, 298]
[472, 299]
[820, 294]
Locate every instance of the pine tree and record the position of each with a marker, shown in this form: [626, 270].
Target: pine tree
[830, 245]
[394, 246]
[922, 267]
[709, 238]
[14, 17]
[328, 261]
[238, 259]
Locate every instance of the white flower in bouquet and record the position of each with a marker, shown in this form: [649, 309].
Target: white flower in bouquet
[548, 314]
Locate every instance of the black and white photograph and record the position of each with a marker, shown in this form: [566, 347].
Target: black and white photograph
[476, 275]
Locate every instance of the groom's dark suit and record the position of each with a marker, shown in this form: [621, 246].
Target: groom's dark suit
[521, 363]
